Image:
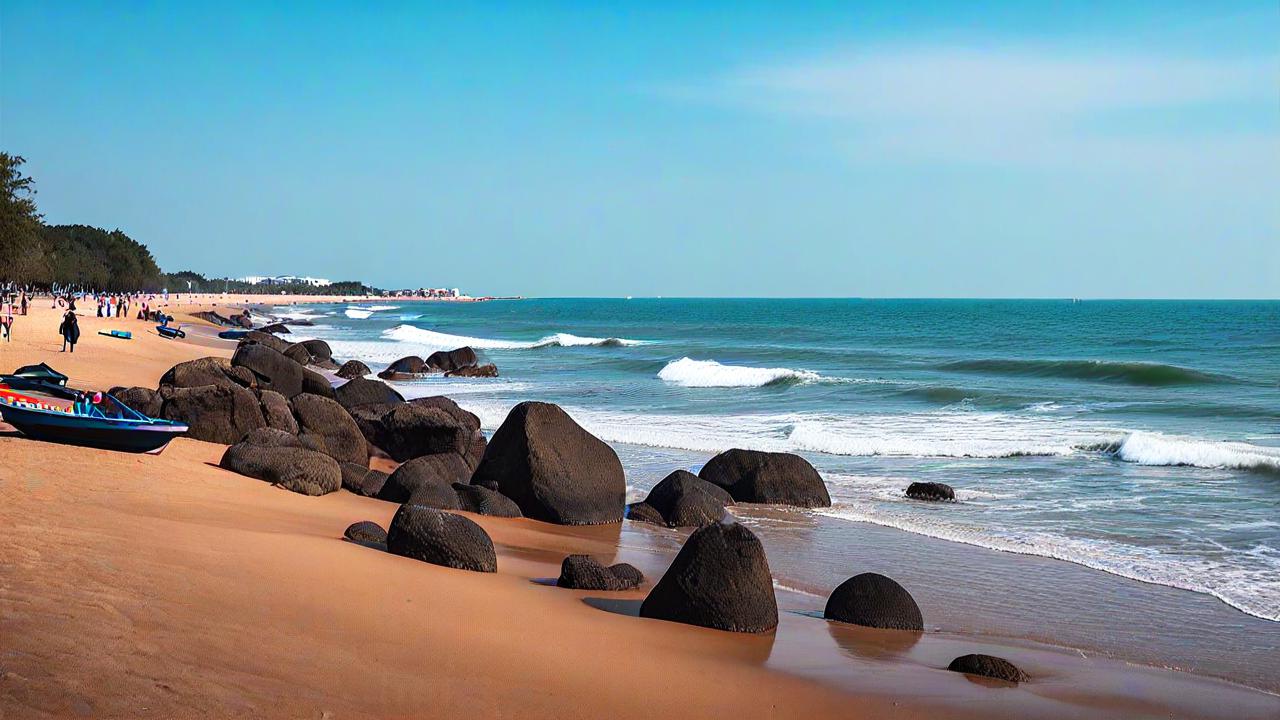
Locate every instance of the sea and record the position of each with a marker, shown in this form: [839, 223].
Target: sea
[1139, 440]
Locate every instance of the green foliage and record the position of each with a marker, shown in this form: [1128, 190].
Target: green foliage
[21, 252]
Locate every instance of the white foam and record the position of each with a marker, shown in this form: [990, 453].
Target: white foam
[373, 308]
[1253, 588]
[1149, 448]
[432, 340]
[709, 373]
[357, 313]
[289, 313]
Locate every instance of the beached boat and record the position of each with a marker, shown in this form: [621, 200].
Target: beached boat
[39, 404]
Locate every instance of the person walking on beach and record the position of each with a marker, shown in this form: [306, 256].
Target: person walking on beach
[70, 331]
[24, 302]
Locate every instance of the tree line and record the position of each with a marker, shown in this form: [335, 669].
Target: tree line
[33, 254]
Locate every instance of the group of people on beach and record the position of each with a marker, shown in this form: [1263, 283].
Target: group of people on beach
[12, 302]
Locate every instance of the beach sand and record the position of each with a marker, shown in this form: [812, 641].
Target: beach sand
[163, 586]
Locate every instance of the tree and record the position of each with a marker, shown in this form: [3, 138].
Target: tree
[21, 251]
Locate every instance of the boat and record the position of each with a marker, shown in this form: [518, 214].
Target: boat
[233, 334]
[122, 334]
[170, 332]
[40, 406]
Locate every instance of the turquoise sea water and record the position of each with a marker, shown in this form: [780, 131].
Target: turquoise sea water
[1137, 438]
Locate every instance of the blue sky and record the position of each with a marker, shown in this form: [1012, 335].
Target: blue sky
[785, 149]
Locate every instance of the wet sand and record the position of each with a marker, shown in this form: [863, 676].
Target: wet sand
[163, 586]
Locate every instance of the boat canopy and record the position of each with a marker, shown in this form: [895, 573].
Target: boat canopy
[41, 372]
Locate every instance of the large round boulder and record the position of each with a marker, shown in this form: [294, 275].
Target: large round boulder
[405, 366]
[720, 579]
[272, 370]
[207, 371]
[353, 369]
[436, 473]
[275, 456]
[683, 499]
[583, 572]
[144, 400]
[318, 349]
[474, 371]
[988, 666]
[554, 469]
[316, 384]
[933, 491]
[219, 414]
[873, 600]
[264, 337]
[326, 419]
[451, 360]
[441, 538]
[763, 477]
[363, 391]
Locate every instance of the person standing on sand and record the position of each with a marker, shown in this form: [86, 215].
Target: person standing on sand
[69, 330]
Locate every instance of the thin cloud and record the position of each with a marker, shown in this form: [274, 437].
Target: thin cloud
[1022, 105]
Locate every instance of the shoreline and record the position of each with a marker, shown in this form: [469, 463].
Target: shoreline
[136, 579]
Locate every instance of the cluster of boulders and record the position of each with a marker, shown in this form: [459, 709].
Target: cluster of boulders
[461, 362]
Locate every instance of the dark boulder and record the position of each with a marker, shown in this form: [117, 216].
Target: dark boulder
[318, 349]
[554, 469]
[297, 352]
[436, 472]
[276, 411]
[448, 361]
[352, 369]
[316, 384]
[258, 337]
[988, 666]
[642, 512]
[297, 322]
[353, 475]
[243, 320]
[207, 371]
[489, 370]
[373, 482]
[411, 365]
[276, 329]
[363, 391]
[272, 370]
[441, 538]
[366, 532]
[930, 491]
[683, 499]
[583, 572]
[275, 456]
[720, 579]
[762, 477]
[219, 414]
[144, 400]
[483, 501]
[423, 426]
[323, 417]
[873, 600]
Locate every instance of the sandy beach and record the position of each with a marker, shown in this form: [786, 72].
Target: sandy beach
[164, 586]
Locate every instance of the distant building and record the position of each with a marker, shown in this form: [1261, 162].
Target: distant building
[285, 280]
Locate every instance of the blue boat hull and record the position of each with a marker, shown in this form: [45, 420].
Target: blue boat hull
[106, 433]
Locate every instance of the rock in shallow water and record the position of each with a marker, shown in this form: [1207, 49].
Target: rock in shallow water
[988, 666]
[873, 600]
[441, 538]
[763, 477]
[930, 491]
[683, 499]
[720, 579]
[583, 572]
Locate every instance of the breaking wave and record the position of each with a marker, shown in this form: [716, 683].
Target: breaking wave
[1129, 373]
[1149, 448]
[357, 313]
[709, 373]
[430, 339]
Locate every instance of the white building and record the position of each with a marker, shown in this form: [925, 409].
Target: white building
[285, 280]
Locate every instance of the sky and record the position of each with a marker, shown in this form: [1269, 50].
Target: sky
[681, 149]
